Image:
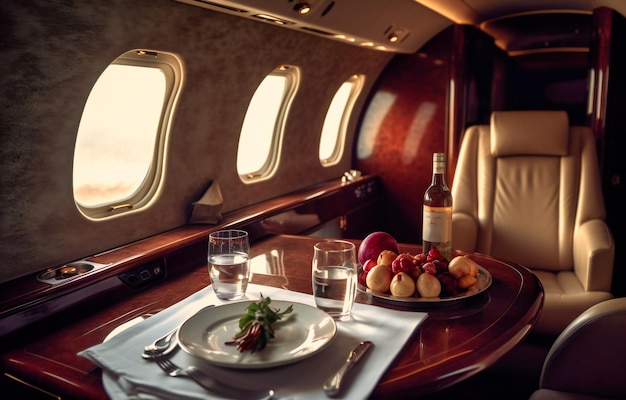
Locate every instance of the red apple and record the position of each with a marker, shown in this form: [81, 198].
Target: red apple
[369, 264]
[363, 278]
[374, 244]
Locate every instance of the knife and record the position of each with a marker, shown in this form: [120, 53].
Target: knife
[333, 384]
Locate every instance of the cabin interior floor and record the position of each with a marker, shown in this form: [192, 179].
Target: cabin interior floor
[514, 377]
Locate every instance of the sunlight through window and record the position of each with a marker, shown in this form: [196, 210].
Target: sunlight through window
[262, 130]
[117, 145]
[336, 122]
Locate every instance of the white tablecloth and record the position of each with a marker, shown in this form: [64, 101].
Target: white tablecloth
[126, 375]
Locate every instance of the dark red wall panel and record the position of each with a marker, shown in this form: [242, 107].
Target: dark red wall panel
[405, 122]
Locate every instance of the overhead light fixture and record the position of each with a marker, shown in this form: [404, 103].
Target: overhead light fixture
[396, 35]
[271, 18]
[302, 8]
[346, 38]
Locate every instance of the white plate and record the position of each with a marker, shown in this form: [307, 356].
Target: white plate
[484, 280]
[300, 334]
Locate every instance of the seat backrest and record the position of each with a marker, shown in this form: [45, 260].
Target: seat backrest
[528, 180]
[588, 356]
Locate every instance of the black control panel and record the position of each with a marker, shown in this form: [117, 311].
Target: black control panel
[145, 275]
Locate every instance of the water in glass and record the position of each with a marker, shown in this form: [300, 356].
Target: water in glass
[334, 277]
[229, 273]
[334, 290]
[229, 267]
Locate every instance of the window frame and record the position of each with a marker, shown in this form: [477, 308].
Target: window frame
[292, 75]
[146, 192]
[357, 82]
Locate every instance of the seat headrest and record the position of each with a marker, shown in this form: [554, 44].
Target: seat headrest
[515, 133]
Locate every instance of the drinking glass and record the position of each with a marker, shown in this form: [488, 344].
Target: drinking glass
[229, 268]
[334, 276]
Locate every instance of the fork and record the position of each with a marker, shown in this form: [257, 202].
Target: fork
[161, 346]
[211, 384]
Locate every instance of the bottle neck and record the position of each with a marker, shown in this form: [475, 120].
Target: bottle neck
[438, 180]
[439, 177]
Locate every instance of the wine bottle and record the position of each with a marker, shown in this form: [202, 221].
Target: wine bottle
[437, 212]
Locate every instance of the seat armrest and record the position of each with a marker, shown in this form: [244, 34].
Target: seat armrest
[594, 252]
[594, 341]
[464, 232]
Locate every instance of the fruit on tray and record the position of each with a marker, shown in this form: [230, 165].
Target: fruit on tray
[402, 285]
[428, 285]
[386, 257]
[379, 278]
[405, 275]
[402, 263]
[374, 244]
[462, 265]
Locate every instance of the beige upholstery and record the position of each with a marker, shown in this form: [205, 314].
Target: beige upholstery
[527, 189]
[588, 360]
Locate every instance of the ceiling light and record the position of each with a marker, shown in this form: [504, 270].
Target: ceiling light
[302, 8]
[271, 18]
[396, 35]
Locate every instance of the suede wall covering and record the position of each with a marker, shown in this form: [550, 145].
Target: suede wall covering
[52, 53]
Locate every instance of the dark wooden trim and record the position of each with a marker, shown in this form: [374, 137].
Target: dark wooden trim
[454, 343]
[27, 299]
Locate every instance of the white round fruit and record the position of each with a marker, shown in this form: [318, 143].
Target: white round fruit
[428, 285]
[379, 278]
[402, 285]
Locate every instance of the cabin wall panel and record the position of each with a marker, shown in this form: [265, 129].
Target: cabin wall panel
[53, 52]
[432, 97]
[608, 121]
[404, 123]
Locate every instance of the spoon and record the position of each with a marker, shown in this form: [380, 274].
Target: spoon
[161, 346]
[165, 343]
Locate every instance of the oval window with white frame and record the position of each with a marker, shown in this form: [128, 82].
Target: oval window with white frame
[120, 146]
[333, 138]
[261, 135]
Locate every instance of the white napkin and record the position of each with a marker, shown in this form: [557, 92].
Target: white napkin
[126, 375]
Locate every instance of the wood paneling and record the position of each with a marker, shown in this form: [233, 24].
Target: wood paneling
[471, 84]
[404, 124]
[455, 341]
[608, 120]
[422, 104]
[333, 209]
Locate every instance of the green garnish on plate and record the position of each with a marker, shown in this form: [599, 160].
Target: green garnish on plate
[255, 326]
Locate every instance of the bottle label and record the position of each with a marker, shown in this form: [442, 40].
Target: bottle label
[437, 224]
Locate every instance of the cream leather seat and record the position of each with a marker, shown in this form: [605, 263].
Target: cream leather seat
[527, 189]
[587, 360]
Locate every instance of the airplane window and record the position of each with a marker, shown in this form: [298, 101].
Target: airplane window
[262, 130]
[336, 121]
[119, 147]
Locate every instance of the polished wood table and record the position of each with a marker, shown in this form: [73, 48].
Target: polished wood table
[455, 342]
